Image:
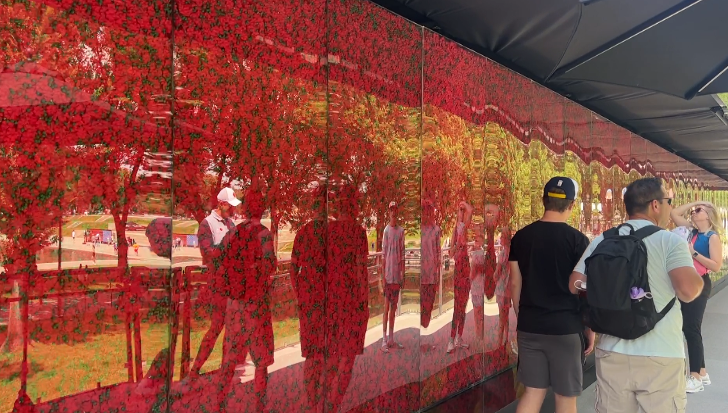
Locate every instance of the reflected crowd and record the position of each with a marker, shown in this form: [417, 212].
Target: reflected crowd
[277, 206]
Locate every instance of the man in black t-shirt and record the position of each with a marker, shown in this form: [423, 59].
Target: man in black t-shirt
[551, 342]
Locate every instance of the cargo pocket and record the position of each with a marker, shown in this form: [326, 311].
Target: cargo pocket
[598, 408]
[681, 403]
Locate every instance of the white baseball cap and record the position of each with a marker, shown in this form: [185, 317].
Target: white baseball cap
[228, 195]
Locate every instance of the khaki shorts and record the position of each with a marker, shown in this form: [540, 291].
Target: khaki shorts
[627, 383]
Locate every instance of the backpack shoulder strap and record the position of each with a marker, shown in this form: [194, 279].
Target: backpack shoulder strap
[612, 232]
[645, 232]
[668, 307]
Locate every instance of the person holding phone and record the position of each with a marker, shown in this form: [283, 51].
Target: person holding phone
[700, 221]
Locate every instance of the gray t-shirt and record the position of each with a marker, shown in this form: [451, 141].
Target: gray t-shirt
[430, 254]
[393, 254]
[666, 251]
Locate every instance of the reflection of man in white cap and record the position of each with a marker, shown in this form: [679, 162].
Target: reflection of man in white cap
[213, 230]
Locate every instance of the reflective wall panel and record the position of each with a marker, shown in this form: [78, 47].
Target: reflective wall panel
[276, 206]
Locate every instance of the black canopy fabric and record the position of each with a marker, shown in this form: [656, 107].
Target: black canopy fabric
[649, 66]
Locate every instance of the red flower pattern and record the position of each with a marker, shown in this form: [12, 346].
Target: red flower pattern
[113, 114]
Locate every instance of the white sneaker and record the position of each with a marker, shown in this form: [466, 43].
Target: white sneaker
[694, 385]
[459, 342]
[705, 379]
[395, 345]
[450, 346]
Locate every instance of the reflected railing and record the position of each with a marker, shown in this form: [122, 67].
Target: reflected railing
[107, 300]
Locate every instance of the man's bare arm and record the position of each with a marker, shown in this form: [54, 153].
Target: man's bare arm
[516, 284]
[687, 283]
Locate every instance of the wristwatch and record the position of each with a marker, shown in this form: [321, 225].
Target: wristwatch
[695, 254]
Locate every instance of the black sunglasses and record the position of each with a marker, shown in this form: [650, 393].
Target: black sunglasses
[697, 210]
[669, 200]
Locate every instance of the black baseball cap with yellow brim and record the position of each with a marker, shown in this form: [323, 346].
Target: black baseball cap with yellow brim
[561, 187]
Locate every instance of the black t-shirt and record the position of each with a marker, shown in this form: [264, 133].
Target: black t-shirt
[547, 253]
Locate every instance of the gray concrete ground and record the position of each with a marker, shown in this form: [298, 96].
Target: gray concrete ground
[715, 336]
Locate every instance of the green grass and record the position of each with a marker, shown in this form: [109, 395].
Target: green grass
[81, 223]
[57, 370]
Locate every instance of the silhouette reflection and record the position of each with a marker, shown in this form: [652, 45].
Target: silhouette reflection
[430, 267]
[332, 298]
[249, 260]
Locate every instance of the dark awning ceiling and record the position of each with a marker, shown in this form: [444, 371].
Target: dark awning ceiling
[633, 62]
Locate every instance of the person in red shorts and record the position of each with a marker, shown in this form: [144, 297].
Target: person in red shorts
[393, 273]
[430, 264]
[459, 251]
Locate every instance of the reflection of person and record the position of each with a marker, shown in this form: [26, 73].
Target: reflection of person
[430, 262]
[707, 251]
[347, 296]
[459, 251]
[393, 272]
[647, 373]
[477, 278]
[550, 341]
[211, 233]
[308, 276]
[502, 287]
[159, 233]
[250, 262]
[147, 393]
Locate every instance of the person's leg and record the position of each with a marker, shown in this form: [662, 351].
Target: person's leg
[479, 313]
[692, 320]
[338, 376]
[707, 288]
[312, 372]
[464, 295]
[660, 383]
[531, 400]
[218, 305]
[427, 301]
[533, 372]
[260, 387]
[461, 300]
[504, 310]
[565, 404]
[385, 320]
[614, 390]
[234, 351]
[394, 300]
[455, 324]
[564, 354]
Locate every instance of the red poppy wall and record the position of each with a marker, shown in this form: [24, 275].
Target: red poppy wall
[338, 272]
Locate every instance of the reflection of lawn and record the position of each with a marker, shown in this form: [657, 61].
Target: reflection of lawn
[58, 370]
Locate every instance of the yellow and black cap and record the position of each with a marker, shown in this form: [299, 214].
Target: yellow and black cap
[562, 188]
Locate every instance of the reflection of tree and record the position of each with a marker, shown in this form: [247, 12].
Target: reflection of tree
[543, 168]
[371, 145]
[446, 162]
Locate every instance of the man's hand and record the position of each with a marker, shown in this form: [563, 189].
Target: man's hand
[590, 338]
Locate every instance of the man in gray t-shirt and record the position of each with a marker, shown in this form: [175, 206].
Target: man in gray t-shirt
[648, 373]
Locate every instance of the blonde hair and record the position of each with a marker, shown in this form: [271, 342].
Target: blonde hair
[713, 218]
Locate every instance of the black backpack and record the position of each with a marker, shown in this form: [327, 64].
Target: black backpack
[617, 264]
